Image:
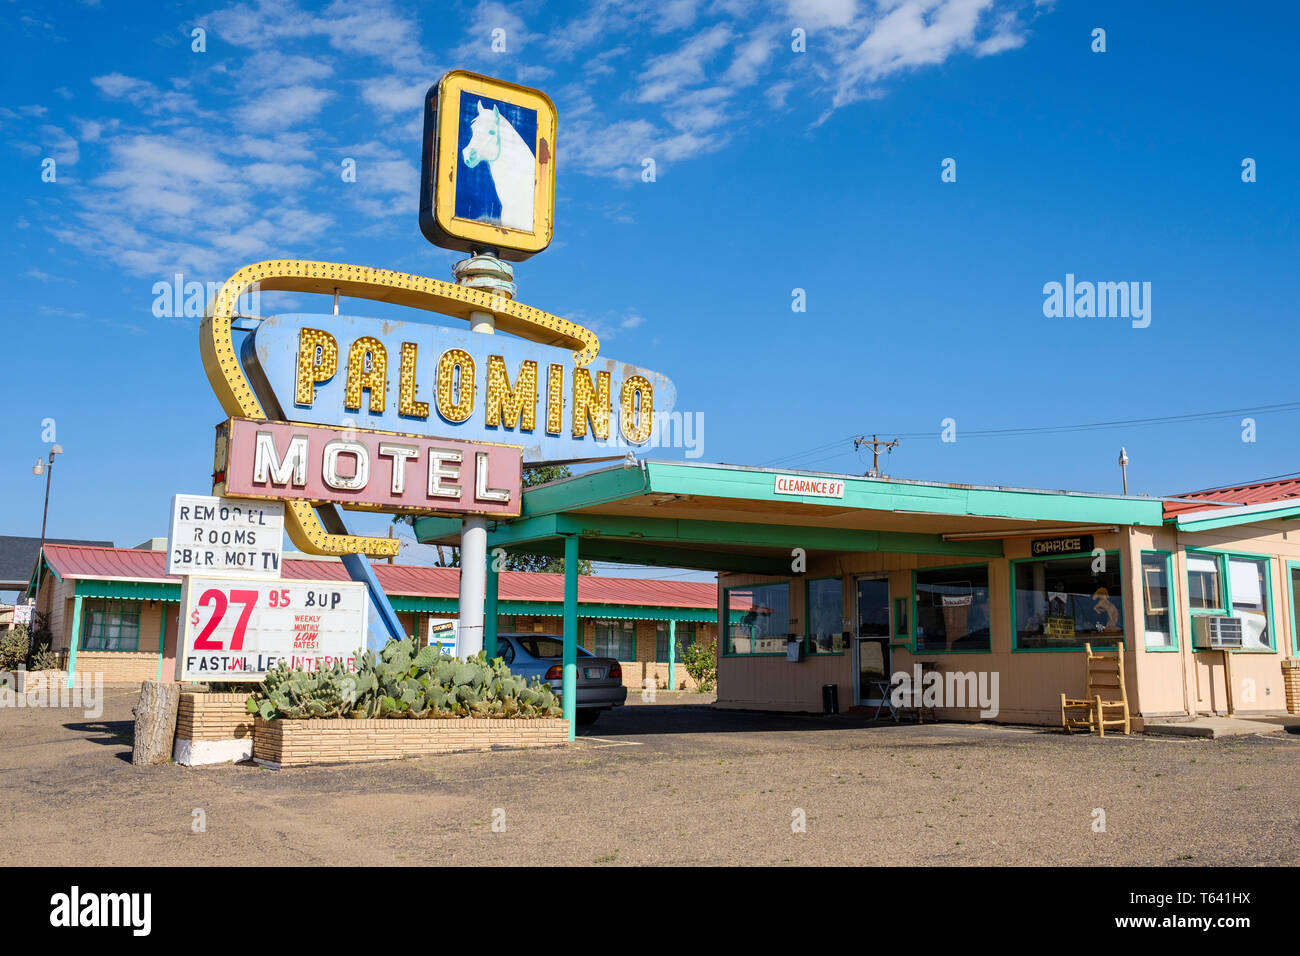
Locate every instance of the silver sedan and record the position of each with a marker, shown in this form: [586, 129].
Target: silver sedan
[600, 679]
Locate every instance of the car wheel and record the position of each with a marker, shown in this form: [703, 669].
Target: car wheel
[587, 715]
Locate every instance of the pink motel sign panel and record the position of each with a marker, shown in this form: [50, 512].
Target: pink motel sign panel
[367, 470]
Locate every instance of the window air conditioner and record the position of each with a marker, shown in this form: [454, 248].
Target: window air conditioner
[1216, 632]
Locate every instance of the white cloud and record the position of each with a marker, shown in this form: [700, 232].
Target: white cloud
[815, 14]
[59, 146]
[390, 94]
[909, 34]
[143, 95]
[288, 106]
[665, 75]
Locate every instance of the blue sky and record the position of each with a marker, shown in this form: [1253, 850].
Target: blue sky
[775, 170]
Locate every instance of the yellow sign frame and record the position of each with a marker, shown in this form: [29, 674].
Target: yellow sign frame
[451, 87]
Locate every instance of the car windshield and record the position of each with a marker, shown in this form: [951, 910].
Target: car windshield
[546, 645]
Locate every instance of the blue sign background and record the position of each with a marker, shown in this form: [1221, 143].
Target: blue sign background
[476, 196]
[271, 354]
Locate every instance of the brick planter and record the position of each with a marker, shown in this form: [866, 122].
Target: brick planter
[1291, 684]
[212, 728]
[31, 682]
[297, 743]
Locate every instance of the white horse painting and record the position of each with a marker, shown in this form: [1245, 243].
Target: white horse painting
[511, 162]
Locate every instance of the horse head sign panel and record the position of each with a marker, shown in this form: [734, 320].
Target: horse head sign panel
[488, 178]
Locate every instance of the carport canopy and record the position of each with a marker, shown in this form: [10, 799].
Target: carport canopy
[732, 518]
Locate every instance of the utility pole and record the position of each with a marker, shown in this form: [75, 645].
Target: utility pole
[876, 444]
[1123, 468]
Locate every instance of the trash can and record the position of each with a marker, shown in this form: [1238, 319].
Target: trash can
[830, 698]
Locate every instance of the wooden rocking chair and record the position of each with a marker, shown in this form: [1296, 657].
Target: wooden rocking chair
[1105, 694]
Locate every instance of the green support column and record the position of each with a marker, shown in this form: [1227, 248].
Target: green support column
[76, 638]
[672, 653]
[490, 609]
[570, 685]
[162, 634]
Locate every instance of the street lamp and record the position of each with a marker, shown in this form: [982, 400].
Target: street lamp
[39, 469]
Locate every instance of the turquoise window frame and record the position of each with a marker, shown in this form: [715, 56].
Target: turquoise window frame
[103, 606]
[945, 567]
[1225, 594]
[726, 607]
[904, 613]
[624, 633]
[1015, 628]
[807, 619]
[1223, 582]
[1291, 567]
[1173, 602]
[682, 628]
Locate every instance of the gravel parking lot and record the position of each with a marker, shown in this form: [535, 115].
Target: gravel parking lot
[665, 783]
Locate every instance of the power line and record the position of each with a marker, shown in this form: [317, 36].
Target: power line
[808, 451]
[1118, 423]
[1027, 430]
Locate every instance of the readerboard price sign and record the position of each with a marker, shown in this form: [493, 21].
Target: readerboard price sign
[237, 630]
[210, 535]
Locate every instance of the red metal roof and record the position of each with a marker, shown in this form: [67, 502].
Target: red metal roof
[399, 579]
[1254, 494]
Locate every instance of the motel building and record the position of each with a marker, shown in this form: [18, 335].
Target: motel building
[845, 581]
[119, 609]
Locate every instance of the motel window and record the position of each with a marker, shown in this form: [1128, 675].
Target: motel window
[685, 638]
[111, 626]
[1064, 603]
[1245, 598]
[616, 639]
[1204, 588]
[1157, 602]
[761, 620]
[1248, 581]
[826, 617]
[952, 609]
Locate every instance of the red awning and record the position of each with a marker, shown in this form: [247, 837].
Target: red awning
[130, 564]
[1255, 494]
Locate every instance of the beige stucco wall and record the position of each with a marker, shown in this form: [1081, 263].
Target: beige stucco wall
[1160, 683]
[1196, 681]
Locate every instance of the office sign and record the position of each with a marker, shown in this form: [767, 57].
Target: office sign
[437, 380]
[212, 535]
[1070, 544]
[806, 486]
[442, 635]
[488, 166]
[367, 470]
[238, 629]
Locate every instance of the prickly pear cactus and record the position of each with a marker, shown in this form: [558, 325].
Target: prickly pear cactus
[402, 681]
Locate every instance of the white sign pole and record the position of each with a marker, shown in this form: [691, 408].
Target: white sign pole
[479, 272]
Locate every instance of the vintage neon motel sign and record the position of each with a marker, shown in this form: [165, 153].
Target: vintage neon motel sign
[541, 387]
